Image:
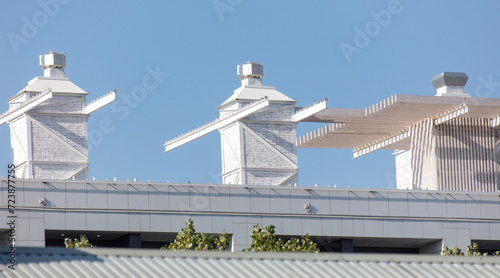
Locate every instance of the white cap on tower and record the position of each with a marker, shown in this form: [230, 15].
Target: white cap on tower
[251, 74]
[53, 64]
[450, 84]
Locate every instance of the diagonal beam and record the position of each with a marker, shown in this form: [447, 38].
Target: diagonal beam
[25, 107]
[269, 146]
[58, 103]
[290, 177]
[272, 110]
[381, 143]
[59, 139]
[309, 111]
[216, 124]
[100, 102]
[457, 112]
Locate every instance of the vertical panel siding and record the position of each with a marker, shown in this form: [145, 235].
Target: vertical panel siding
[423, 155]
[465, 150]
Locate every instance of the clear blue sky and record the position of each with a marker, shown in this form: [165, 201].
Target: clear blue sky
[110, 45]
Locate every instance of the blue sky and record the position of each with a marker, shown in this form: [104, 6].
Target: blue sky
[355, 53]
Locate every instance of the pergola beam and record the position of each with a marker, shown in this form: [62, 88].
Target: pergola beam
[309, 111]
[27, 106]
[382, 143]
[216, 124]
[455, 113]
[100, 102]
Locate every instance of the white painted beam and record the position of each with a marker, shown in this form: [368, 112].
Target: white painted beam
[100, 102]
[310, 110]
[216, 124]
[318, 133]
[381, 144]
[495, 122]
[461, 110]
[27, 106]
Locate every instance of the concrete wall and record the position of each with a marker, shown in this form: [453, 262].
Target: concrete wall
[19, 144]
[231, 154]
[51, 140]
[457, 155]
[403, 169]
[455, 217]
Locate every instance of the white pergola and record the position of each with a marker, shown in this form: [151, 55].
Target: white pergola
[385, 125]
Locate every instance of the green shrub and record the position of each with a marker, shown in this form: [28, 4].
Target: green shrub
[266, 241]
[472, 250]
[75, 243]
[186, 239]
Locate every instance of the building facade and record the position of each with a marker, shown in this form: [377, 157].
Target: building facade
[133, 214]
[446, 161]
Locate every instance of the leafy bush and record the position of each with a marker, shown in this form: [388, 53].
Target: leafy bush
[266, 241]
[75, 243]
[453, 251]
[472, 250]
[186, 239]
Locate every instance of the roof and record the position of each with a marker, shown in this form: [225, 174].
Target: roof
[57, 85]
[354, 128]
[256, 93]
[104, 262]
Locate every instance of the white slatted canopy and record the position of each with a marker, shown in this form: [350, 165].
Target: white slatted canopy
[363, 128]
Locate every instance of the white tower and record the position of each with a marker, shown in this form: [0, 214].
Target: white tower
[258, 132]
[259, 149]
[48, 124]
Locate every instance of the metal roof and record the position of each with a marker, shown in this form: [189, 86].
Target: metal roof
[355, 128]
[103, 262]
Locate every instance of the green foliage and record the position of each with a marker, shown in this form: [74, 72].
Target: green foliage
[187, 240]
[472, 250]
[266, 241]
[75, 243]
[453, 251]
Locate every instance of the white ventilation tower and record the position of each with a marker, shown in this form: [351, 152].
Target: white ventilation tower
[258, 132]
[48, 124]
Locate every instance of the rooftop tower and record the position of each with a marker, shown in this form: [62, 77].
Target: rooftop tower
[48, 124]
[258, 132]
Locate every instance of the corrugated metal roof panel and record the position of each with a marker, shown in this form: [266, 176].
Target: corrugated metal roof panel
[103, 262]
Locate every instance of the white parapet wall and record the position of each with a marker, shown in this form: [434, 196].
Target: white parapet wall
[420, 219]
